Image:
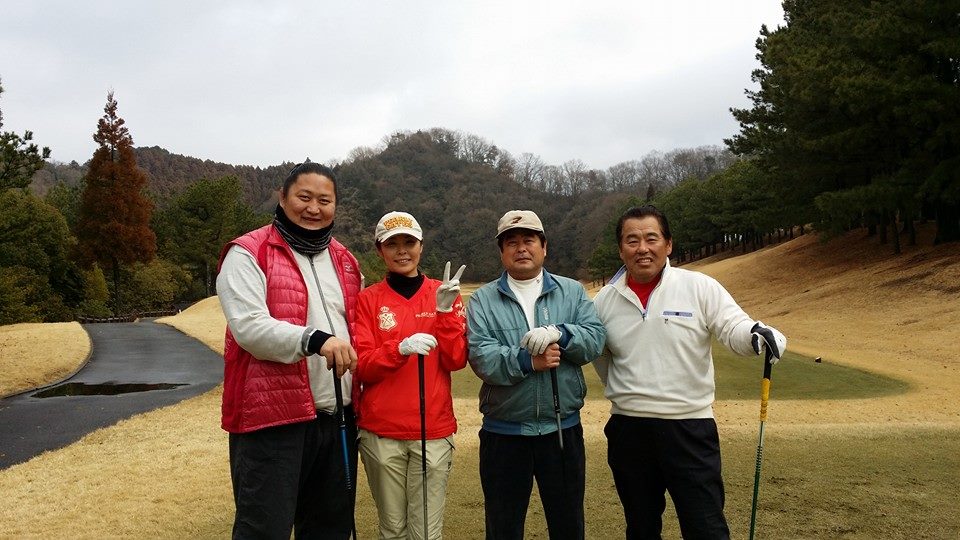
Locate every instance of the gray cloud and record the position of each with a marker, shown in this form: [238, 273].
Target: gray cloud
[258, 83]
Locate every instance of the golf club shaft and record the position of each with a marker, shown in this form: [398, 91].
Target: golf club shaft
[423, 442]
[764, 398]
[556, 403]
[342, 418]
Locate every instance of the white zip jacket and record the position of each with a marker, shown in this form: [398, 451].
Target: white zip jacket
[657, 361]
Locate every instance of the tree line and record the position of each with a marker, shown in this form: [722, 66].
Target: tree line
[194, 206]
[856, 121]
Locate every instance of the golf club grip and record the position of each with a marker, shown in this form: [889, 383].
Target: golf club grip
[765, 384]
[764, 398]
[338, 394]
[556, 390]
[423, 402]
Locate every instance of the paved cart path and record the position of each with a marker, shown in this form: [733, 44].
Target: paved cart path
[126, 357]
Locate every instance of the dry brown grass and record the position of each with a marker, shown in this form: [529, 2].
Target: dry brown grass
[863, 468]
[36, 354]
[850, 303]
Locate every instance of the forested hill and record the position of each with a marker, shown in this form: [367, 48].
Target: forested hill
[169, 174]
[458, 203]
[457, 185]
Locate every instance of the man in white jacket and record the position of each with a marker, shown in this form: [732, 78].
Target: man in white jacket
[658, 372]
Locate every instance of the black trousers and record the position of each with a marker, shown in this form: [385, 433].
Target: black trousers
[649, 456]
[292, 477]
[508, 466]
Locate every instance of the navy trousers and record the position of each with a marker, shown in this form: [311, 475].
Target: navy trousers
[292, 477]
[651, 456]
[508, 466]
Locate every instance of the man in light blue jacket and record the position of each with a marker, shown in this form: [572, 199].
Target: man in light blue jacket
[530, 333]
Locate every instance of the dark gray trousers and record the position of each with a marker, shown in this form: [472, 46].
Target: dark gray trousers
[292, 477]
[508, 466]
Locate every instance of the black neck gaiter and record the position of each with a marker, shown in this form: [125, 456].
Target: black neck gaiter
[305, 241]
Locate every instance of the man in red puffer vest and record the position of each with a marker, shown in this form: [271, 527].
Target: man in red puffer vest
[289, 293]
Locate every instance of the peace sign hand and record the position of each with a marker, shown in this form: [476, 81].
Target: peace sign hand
[448, 291]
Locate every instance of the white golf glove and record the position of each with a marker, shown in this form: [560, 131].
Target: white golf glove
[417, 344]
[448, 290]
[768, 336]
[537, 340]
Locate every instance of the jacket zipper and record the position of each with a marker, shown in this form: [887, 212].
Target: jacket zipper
[316, 279]
[539, 374]
[646, 309]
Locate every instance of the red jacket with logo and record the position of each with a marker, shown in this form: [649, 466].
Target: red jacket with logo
[261, 393]
[389, 399]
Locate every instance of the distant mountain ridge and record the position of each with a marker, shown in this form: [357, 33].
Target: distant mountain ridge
[170, 173]
[457, 201]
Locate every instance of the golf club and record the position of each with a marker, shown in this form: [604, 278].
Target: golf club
[342, 418]
[764, 397]
[556, 404]
[423, 444]
[556, 411]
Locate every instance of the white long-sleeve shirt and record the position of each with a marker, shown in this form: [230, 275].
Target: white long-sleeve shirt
[658, 361]
[242, 288]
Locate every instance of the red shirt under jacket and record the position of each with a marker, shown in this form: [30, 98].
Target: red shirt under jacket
[643, 290]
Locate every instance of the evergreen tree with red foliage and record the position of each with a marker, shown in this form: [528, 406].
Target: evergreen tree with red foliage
[113, 227]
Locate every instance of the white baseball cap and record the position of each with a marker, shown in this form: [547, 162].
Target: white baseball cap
[394, 223]
[519, 219]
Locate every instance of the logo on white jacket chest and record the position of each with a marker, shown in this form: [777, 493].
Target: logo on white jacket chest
[388, 320]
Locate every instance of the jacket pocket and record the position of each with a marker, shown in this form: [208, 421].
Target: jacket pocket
[573, 388]
[680, 320]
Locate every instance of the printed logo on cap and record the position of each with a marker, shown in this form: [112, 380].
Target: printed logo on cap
[398, 221]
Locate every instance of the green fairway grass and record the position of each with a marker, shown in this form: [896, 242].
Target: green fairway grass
[797, 377]
[738, 377]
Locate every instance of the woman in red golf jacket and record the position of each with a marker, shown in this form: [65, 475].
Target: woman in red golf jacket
[406, 315]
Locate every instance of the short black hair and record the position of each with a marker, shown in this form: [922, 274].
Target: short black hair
[308, 167]
[540, 235]
[636, 212]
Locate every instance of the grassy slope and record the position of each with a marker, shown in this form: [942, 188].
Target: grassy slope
[36, 354]
[878, 459]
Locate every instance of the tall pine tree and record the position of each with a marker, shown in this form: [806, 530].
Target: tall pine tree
[19, 158]
[113, 227]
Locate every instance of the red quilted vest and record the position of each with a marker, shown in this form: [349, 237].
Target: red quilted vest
[261, 393]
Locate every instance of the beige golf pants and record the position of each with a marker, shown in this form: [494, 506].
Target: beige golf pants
[395, 475]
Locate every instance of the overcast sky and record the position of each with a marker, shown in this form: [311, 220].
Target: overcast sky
[260, 83]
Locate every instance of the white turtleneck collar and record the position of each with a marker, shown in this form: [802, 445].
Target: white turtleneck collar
[527, 291]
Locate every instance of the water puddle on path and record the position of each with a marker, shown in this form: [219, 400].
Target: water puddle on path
[102, 389]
